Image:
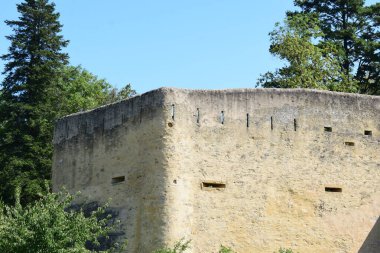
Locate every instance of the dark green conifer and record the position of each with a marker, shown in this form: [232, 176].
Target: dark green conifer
[354, 28]
[33, 64]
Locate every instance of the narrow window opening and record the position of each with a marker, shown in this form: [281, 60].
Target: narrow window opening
[247, 119]
[271, 123]
[295, 124]
[333, 189]
[349, 143]
[213, 185]
[173, 111]
[116, 180]
[328, 129]
[222, 117]
[368, 132]
[197, 115]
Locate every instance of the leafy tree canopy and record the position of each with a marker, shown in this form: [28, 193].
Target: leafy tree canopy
[344, 33]
[80, 90]
[309, 66]
[39, 87]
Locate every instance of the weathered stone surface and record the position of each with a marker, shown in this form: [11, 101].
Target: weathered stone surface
[255, 169]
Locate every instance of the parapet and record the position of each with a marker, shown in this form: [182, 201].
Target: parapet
[135, 109]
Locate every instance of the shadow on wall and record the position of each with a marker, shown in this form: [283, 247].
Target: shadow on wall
[372, 242]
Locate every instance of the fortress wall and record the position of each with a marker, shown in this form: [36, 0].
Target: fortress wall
[115, 154]
[275, 171]
[171, 146]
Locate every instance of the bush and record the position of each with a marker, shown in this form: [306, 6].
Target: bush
[50, 226]
[224, 249]
[183, 245]
[281, 250]
[179, 247]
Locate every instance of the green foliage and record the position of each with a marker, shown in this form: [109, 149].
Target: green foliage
[182, 246]
[224, 249]
[80, 90]
[179, 247]
[38, 88]
[309, 66]
[352, 28]
[34, 60]
[50, 226]
[125, 92]
[328, 44]
[281, 250]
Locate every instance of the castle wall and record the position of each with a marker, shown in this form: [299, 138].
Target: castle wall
[275, 170]
[114, 155]
[278, 168]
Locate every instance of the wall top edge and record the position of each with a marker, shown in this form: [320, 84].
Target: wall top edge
[266, 90]
[162, 90]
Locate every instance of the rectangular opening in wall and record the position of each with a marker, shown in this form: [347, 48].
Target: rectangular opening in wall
[247, 119]
[368, 132]
[333, 189]
[295, 124]
[116, 180]
[271, 123]
[328, 129]
[173, 111]
[213, 185]
[349, 143]
[222, 117]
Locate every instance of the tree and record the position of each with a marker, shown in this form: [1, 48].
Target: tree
[50, 225]
[80, 90]
[309, 66]
[40, 87]
[348, 34]
[354, 30]
[126, 92]
[34, 61]
[368, 72]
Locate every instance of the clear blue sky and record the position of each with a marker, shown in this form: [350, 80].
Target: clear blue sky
[208, 44]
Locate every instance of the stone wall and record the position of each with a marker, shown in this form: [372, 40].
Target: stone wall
[115, 154]
[255, 169]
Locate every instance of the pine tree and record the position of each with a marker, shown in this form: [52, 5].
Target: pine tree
[349, 38]
[368, 73]
[308, 65]
[34, 60]
[354, 30]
